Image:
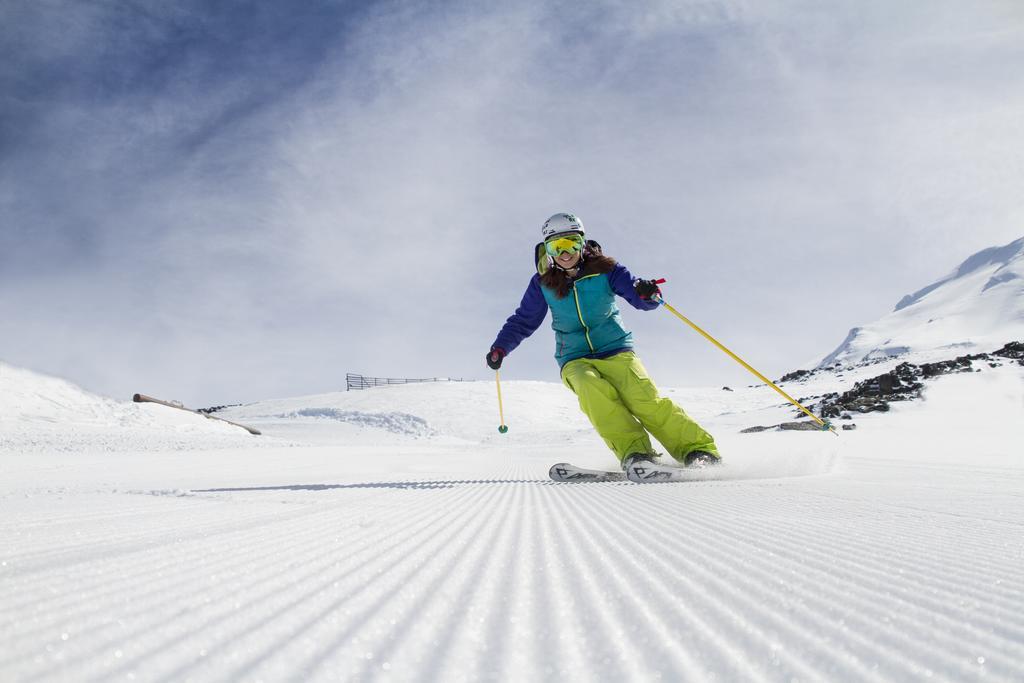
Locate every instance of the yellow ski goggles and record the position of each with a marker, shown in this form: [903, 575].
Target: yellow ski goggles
[564, 243]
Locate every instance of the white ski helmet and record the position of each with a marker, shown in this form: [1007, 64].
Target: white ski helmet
[561, 223]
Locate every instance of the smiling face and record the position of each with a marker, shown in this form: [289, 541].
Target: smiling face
[568, 260]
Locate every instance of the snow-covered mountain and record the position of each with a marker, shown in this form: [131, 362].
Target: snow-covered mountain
[978, 307]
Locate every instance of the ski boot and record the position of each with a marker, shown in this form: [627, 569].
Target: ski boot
[701, 459]
[634, 458]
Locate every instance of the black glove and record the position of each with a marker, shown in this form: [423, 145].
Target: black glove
[494, 357]
[646, 289]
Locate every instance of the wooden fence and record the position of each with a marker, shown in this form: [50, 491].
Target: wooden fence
[354, 381]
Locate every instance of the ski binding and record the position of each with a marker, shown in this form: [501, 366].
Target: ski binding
[647, 472]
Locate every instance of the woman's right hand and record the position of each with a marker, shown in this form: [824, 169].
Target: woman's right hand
[494, 357]
[647, 289]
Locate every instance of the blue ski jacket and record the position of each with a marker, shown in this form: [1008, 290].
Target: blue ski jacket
[587, 322]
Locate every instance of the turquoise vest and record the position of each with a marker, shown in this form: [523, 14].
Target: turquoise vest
[587, 322]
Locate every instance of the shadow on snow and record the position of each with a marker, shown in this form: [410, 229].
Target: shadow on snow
[414, 485]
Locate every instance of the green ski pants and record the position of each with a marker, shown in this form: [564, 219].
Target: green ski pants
[623, 405]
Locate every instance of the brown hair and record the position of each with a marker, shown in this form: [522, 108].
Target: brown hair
[593, 262]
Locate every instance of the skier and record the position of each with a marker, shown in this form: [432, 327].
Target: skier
[595, 352]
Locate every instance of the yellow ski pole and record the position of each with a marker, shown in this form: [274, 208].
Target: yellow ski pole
[824, 424]
[502, 428]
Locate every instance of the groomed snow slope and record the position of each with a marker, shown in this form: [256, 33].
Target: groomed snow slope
[408, 540]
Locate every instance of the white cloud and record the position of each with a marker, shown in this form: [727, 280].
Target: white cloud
[776, 162]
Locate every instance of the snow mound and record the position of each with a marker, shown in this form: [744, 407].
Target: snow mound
[28, 397]
[39, 412]
[976, 308]
[394, 422]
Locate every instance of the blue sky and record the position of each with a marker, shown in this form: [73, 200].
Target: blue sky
[222, 202]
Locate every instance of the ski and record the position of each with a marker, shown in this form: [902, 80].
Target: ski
[640, 473]
[565, 472]
[142, 398]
